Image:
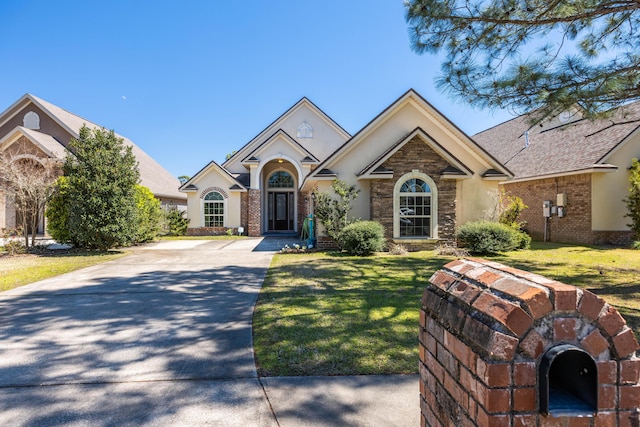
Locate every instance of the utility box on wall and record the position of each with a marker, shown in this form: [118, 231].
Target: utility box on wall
[501, 347]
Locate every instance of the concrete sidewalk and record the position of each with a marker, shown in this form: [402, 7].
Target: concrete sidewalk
[163, 337]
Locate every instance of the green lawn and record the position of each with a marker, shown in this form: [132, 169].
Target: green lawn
[20, 270]
[331, 314]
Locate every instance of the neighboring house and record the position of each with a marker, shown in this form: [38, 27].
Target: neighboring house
[44, 130]
[417, 172]
[579, 167]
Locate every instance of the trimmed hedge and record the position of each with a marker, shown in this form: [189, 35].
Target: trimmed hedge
[484, 237]
[363, 238]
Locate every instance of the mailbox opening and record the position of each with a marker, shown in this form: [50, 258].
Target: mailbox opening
[568, 382]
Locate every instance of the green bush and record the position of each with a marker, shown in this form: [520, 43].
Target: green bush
[57, 212]
[15, 247]
[362, 238]
[148, 214]
[635, 245]
[175, 223]
[484, 237]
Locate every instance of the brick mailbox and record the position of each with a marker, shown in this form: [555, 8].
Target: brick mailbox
[501, 347]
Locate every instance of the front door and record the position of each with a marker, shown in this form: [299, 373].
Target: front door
[281, 211]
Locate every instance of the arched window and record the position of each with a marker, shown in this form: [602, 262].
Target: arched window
[280, 179]
[213, 209]
[31, 120]
[305, 130]
[415, 200]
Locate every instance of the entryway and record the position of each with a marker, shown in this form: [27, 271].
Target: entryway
[281, 210]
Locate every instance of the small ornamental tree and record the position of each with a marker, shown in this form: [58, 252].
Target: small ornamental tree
[511, 208]
[148, 214]
[28, 182]
[103, 174]
[332, 209]
[633, 201]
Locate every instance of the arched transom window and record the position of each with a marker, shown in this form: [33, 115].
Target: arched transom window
[280, 179]
[416, 207]
[213, 209]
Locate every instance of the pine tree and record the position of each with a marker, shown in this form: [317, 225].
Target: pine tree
[528, 55]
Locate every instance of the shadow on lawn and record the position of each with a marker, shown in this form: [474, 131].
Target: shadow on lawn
[326, 316]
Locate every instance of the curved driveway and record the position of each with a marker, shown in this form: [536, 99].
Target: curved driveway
[160, 337]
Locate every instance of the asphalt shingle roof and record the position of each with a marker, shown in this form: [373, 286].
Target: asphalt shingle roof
[564, 148]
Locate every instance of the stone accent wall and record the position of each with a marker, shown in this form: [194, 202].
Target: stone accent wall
[484, 329]
[415, 155]
[254, 213]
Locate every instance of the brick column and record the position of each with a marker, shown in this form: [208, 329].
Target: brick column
[254, 213]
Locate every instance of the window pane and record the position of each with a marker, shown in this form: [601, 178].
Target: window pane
[415, 209]
[281, 179]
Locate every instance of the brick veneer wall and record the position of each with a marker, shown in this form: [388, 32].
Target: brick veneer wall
[254, 213]
[415, 155]
[483, 329]
[244, 211]
[576, 226]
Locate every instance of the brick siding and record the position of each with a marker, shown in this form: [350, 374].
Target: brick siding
[576, 225]
[415, 155]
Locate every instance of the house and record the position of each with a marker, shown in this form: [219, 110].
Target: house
[417, 172]
[44, 130]
[576, 168]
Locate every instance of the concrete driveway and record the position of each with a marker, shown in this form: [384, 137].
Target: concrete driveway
[163, 337]
[159, 337]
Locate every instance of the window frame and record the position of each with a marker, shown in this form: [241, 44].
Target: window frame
[218, 213]
[397, 215]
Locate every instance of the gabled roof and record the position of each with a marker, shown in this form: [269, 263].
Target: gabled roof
[577, 147]
[252, 145]
[48, 144]
[457, 169]
[414, 96]
[152, 174]
[191, 185]
[253, 156]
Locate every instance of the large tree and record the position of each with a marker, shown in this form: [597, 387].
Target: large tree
[526, 55]
[28, 180]
[101, 175]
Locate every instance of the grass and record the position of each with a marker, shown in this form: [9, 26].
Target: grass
[21, 270]
[330, 314]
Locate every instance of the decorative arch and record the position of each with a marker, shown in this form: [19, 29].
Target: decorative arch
[278, 156]
[210, 189]
[31, 120]
[415, 207]
[304, 130]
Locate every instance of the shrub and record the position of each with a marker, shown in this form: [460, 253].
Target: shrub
[362, 238]
[484, 237]
[636, 245]
[148, 215]
[633, 201]
[57, 212]
[398, 250]
[15, 247]
[175, 223]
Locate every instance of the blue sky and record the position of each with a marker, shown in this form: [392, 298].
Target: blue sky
[190, 81]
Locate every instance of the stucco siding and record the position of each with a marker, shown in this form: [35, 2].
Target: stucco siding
[610, 189]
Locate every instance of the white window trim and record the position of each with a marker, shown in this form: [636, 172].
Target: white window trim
[434, 205]
[224, 208]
